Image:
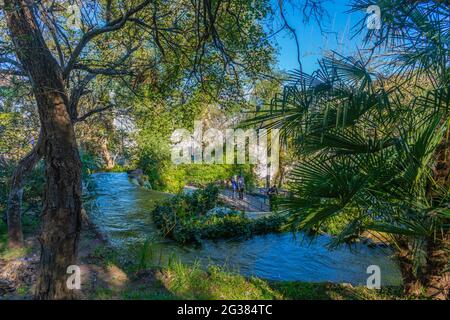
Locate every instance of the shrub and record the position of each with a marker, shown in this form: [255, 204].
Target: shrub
[203, 200]
[183, 219]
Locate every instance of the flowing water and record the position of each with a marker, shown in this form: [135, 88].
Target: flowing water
[122, 211]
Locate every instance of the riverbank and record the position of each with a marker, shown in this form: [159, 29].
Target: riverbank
[179, 281]
[105, 275]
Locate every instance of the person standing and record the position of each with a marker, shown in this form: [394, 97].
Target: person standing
[272, 194]
[234, 186]
[241, 186]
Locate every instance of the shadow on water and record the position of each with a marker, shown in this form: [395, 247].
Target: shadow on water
[122, 211]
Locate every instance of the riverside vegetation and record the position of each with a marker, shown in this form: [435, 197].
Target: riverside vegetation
[140, 279]
[187, 218]
[365, 137]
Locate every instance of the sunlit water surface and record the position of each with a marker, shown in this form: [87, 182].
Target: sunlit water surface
[122, 211]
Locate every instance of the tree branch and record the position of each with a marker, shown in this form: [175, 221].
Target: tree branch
[78, 92]
[92, 112]
[102, 71]
[13, 72]
[113, 25]
[11, 61]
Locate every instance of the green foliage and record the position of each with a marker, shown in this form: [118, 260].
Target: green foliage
[5, 174]
[106, 255]
[374, 180]
[164, 175]
[172, 215]
[183, 219]
[35, 181]
[33, 189]
[179, 281]
[90, 163]
[146, 253]
[15, 134]
[368, 143]
[203, 200]
[233, 226]
[201, 175]
[157, 120]
[30, 226]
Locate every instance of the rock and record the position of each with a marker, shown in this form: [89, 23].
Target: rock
[135, 173]
[134, 181]
[138, 178]
[221, 212]
[147, 185]
[6, 287]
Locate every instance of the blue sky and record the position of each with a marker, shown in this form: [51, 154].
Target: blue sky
[314, 43]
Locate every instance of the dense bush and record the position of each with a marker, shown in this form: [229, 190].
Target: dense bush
[165, 176]
[35, 181]
[5, 175]
[204, 200]
[33, 188]
[237, 226]
[183, 219]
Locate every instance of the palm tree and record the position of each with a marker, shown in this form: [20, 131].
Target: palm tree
[372, 136]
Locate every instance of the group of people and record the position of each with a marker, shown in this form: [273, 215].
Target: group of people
[238, 186]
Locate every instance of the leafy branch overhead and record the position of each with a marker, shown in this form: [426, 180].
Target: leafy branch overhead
[114, 37]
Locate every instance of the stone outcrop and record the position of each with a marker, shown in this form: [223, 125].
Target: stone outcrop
[138, 177]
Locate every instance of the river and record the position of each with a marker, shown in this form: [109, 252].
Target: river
[122, 212]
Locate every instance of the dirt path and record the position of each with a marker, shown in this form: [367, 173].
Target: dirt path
[19, 269]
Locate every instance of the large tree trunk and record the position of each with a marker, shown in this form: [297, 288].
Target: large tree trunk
[411, 279]
[14, 208]
[436, 279]
[431, 279]
[442, 168]
[61, 216]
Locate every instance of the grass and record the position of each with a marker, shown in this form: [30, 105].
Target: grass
[192, 282]
[105, 255]
[331, 291]
[179, 281]
[7, 253]
[30, 226]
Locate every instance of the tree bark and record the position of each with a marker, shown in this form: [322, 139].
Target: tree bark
[411, 280]
[436, 279]
[61, 216]
[109, 161]
[431, 279]
[442, 168]
[14, 207]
